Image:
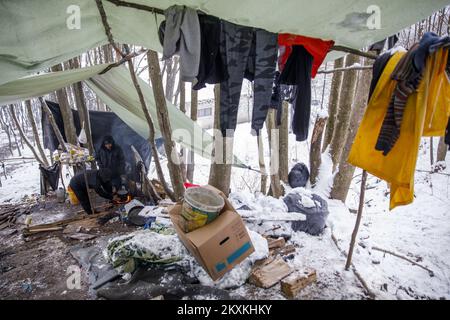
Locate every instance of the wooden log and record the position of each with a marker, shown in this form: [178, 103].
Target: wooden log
[276, 243]
[285, 250]
[270, 274]
[294, 283]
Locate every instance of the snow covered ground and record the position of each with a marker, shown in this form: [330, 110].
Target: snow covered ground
[420, 231]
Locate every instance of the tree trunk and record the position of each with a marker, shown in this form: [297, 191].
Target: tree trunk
[315, 153]
[344, 109]
[52, 121]
[284, 142]
[183, 155]
[83, 111]
[164, 124]
[431, 152]
[171, 74]
[274, 146]
[344, 175]
[22, 134]
[35, 132]
[151, 130]
[220, 170]
[333, 102]
[262, 165]
[6, 127]
[194, 110]
[66, 112]
[442, 150]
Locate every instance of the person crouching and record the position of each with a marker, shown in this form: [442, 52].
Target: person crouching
[99, 180]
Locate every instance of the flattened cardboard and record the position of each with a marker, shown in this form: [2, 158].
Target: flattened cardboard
[219, 245]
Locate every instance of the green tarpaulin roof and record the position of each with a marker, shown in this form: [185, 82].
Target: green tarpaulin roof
[34, 34]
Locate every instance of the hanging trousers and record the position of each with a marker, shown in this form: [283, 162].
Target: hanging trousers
[250, 53]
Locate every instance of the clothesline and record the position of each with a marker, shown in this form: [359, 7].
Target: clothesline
[154, 10]
[344, 69]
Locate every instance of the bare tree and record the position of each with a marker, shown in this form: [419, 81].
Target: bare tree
[66, 112]
[344, 109]
[194, 110]
[315, 153]
[6, 127]
[22, 134]
[83, 111]
[164, 124]
[35, 132]
[274, 145]
[220, 171]
[333, 102]
[442, 150]
[344, 175]
[284, 142]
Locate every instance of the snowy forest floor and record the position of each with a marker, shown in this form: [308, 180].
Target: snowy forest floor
[420, 231]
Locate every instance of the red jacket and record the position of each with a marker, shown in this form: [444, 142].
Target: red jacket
[316, 47]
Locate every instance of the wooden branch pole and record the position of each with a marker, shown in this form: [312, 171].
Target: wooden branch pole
[354, 51]
[344, 69]
[164, 124]
[151, 138]
[88, 191]
[430, 272]
[358, 220]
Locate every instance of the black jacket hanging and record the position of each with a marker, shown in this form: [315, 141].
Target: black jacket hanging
[297, 71]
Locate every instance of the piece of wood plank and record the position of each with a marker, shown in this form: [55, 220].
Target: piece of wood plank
[82, 236]
[270, 274]
[290, 248]
[276, 243]
[297, 281]
[42, 230]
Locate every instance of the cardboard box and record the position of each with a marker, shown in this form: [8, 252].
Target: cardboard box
[219, 245]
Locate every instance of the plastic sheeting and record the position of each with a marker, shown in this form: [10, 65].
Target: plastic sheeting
[38, 34]
[116, 89]
[102, 124]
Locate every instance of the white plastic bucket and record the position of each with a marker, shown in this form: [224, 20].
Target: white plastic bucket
[200, 207]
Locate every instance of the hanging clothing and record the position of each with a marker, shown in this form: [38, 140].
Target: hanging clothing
[318, 48]
[398, 166]
[181, 33]
[250, 53]
[408, 73]
[377, 70]
[211, 69]
[280, 93]
[297, 71]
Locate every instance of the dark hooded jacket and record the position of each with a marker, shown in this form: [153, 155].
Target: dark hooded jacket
[112, 159]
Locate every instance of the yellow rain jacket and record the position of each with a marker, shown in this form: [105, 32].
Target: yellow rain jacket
[426, 114]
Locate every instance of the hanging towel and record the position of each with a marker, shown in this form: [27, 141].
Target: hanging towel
[398, 166]
[182, 36]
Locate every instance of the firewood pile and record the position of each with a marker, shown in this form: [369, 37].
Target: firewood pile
[9, 213]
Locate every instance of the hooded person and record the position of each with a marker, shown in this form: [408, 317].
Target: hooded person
[99, 180]
[110, 156]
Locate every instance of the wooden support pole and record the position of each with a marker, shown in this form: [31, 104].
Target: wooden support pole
[358, 220]
[354, 51]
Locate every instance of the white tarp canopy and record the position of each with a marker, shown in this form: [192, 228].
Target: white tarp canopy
[116, 89]
[36, 34]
